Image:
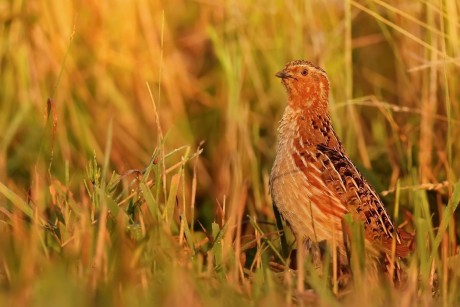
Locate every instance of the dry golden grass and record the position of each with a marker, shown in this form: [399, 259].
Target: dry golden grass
[158, 218]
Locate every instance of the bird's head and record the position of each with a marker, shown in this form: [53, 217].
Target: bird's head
[307, 85]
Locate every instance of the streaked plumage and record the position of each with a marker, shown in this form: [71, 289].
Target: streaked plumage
[313, 183]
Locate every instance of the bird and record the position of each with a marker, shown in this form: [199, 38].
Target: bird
[313, 182]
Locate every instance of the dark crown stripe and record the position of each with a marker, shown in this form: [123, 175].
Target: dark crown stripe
[303, 62]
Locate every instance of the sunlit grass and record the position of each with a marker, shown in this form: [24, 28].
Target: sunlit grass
[110, 196]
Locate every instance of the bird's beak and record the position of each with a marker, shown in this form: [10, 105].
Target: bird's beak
[283, 75]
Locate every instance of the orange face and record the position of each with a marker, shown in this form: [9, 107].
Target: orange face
[306, 84]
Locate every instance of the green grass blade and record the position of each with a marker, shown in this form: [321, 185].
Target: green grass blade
[17, 201]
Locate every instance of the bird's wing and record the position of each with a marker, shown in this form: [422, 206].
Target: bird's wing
[320, 193]
[353, 193]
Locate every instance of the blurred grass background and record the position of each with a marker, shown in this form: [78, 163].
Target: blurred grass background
[175, 224]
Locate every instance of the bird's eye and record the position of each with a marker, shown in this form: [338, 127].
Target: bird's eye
[304, 72]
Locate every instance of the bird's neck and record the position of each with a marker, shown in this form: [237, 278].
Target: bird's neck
[310, 97]
[308, 126]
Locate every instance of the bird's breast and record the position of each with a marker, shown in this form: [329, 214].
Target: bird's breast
[298, 190]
